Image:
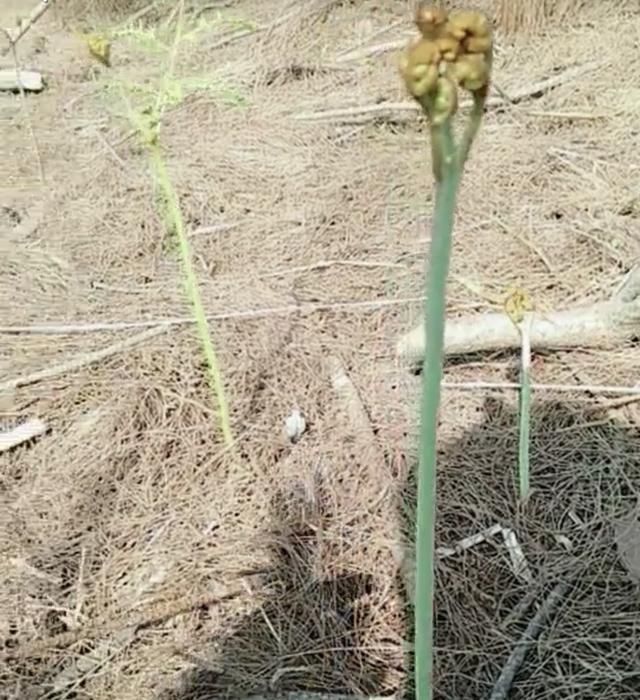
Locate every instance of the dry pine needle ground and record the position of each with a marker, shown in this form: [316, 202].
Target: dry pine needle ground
[278, 568]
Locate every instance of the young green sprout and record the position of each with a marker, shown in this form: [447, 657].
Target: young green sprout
[453, 52]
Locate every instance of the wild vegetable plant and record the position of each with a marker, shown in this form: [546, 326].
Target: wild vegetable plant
[147, 123]
[454, 51]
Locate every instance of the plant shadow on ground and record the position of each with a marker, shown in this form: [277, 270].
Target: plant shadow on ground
[308, 634]
[585, 475]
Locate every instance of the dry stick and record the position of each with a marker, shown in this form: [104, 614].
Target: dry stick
[211, 6]
[23, 104]
[631, 392]
[357, 51]
[374, 50]
[81, 360]
[22, 433]
[599, 325]
[26, 25]
[300, 309]
[242, 33]
[534, 628]
[353, 405]
[158, 614]
[324, 264]
[404, 111]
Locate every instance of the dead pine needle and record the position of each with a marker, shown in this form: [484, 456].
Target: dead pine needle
[530, 17]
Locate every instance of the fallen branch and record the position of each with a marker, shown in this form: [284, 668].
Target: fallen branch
[405, 111]
[22, 433]
[353, 406]
[81, 361]
[373, 50]
[631, 393]
[325, 264]
[156, 614]
[291, 309]
[249, 31]
[534, 628]
[603, 324]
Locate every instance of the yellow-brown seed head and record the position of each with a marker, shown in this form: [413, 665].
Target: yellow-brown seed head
[449, 48]
[419, 67]
[468, 23]
[471, 71]
[472, 30]
[431, 21]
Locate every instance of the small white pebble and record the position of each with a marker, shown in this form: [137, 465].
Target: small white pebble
[295, 425]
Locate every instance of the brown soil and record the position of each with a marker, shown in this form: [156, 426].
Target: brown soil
[139, 558]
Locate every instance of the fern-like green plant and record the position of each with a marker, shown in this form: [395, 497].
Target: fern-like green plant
[453, 50]
[147, 123]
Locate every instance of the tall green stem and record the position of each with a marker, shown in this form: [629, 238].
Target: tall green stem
[193, 292]
[438, 269]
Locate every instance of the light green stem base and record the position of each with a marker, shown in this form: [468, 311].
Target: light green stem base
[438, 269]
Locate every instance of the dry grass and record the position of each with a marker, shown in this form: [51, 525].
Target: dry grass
[530, 17]
[129, 512]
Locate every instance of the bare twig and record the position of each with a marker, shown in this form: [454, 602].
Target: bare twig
[81, 361]
[211, 6]
[22, 433]
[354, 407]
[23, 104]
[372, 50]
[619, 403]
[324, 264]
[215, 228]
[404, 111]
[468, 542]
[398, 111]
[361, 51]
[249, 31]
[534, 628]
[25, 25]
[291, 309]
[632, 392]
[156, 614]
[573, 116]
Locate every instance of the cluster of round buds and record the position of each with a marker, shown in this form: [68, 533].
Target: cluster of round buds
[452, 49]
